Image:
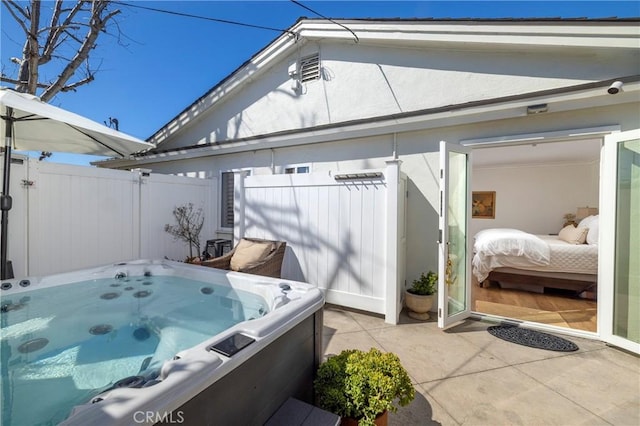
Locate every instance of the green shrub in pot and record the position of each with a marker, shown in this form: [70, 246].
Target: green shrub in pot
[426, 285]
[361, 385]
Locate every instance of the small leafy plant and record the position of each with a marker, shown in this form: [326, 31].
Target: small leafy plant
[425, 285]
[362, 385]
[188, 227]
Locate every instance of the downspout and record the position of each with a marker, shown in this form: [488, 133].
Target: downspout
[395, 146]
[273, 164]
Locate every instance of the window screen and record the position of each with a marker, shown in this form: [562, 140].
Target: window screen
[226, 200]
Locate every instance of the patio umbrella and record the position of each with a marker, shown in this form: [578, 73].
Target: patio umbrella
[31, 125]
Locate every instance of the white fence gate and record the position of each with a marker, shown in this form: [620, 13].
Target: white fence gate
[67, 217]
[344, 232]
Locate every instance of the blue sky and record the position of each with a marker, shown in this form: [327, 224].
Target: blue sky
[162, 63]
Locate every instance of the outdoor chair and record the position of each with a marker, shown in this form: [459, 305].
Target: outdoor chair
[252, 256]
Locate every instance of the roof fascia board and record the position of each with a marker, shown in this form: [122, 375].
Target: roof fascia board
[565, 34]
[246, 73]
[588, 98]
[462, 33]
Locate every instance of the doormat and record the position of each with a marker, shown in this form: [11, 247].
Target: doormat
[532, 338]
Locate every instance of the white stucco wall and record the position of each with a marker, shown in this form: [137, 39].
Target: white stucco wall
[361, 81]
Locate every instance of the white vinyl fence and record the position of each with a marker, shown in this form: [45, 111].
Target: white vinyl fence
[344, 232]
[67, 217]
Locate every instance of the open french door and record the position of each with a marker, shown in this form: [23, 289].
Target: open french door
[619, 242]
[454, 283]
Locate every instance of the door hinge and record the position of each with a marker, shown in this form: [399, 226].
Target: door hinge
[439, 312]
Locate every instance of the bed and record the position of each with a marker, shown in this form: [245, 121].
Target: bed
[513, 258]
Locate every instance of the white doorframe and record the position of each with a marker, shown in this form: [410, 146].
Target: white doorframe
[448, 269]
[541, 138]
[607, 240]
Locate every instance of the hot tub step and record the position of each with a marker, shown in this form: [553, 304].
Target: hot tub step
[298, 413]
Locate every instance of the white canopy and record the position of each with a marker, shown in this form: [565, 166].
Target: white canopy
[28, 124]
[39, 126]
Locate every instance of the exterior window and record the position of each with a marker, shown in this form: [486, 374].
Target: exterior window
[296, 169]
[226, 200]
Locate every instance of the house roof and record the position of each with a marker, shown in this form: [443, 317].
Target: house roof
[608, 32]
[563, 98]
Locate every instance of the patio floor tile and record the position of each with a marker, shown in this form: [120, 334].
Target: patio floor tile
[339, 321]
[466, 376]
[506, 396]
[423, 411]
[335, 343]
[591, 380]
[512, 353]
[429, 354]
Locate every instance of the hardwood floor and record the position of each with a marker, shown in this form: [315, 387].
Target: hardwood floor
[554, 309]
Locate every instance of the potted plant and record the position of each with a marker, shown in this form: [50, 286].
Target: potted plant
[189, 222]
[569, 219]
[420, 297]
[362, 387]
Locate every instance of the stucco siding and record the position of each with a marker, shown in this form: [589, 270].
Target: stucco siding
[360, 81]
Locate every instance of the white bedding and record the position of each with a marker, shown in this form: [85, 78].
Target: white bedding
[512, 248]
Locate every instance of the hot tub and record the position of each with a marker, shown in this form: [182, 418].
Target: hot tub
[147, 342]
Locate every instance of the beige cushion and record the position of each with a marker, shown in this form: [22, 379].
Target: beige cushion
[248, 253]
[573, 235]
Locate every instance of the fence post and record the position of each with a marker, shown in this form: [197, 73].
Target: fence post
[239, 223]
[141, 177]
[392, 290]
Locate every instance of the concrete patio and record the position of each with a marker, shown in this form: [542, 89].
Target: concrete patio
[466, 376]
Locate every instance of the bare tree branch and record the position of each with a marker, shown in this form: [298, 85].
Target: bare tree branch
[29, 65]
[97, 25]
[16, 7]
[188, 228]
[73, 28]
[56, 30]
[6, 79]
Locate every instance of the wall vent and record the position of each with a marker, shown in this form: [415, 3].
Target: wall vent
[310, 68]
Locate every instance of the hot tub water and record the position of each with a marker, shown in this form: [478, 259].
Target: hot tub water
[63, 345]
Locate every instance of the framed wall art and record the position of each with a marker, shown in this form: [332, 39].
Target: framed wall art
[483, 204]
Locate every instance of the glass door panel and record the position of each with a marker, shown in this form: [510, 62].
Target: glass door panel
[626, 296]
[455, 194]
[619, 245]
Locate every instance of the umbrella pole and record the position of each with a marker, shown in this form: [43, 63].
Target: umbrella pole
[5, 198]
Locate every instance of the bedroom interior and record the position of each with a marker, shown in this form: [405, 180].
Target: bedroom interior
[540, 188]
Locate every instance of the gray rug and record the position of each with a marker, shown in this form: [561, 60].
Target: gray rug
[532, 338]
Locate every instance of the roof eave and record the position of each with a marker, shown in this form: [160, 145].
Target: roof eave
[587, 95]
[573, 33]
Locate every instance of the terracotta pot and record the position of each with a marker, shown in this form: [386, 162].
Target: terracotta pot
[381, 420]
[419, 305]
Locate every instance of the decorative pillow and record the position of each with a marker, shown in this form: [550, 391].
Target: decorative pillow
[248, 252]
[573, 235]
[586, 222]
[592, 235]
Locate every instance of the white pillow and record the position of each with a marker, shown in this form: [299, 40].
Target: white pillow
[592, 235]
[573, 235]
[586, 222]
